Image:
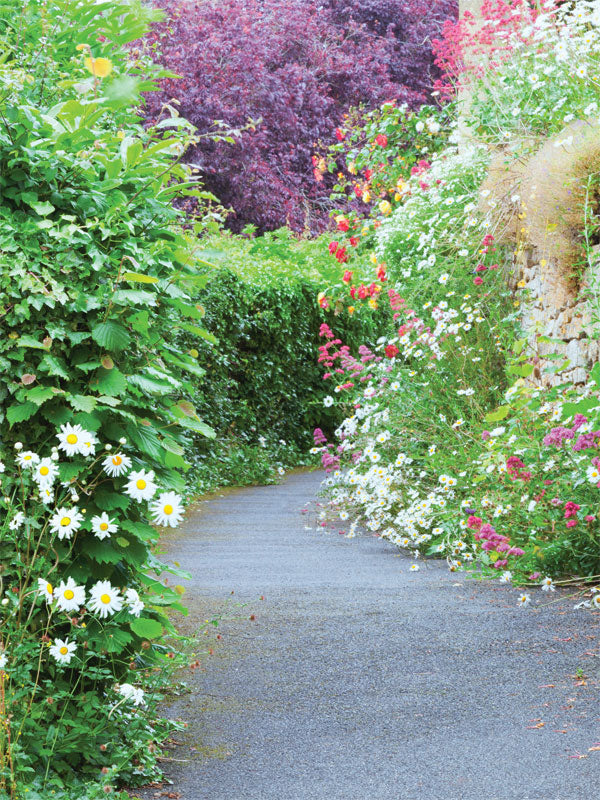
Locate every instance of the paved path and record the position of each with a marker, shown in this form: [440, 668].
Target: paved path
[361, 680]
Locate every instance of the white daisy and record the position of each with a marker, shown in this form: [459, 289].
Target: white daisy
[45, 472]
[27, 459]
[132, 599]
[63, 651]
[167, 509]
[548, 585]
[17, 521]
[45, 589]
[88, 446]
[141, 486]
[328, 401]
[130, 692]
[595, 601]
[593, 474]
[116, 465]
[103, 526]
[65, 522]
[104, 599]
[72, 439]
[506, 576]
[69, 596]
[46, 495]
[524, 600]
[414, 567]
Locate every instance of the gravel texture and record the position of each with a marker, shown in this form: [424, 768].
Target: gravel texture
[362, 680]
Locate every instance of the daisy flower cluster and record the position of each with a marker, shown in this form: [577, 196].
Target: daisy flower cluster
[532, 69]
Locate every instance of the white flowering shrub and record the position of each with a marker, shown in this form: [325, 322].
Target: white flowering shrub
[81, 619]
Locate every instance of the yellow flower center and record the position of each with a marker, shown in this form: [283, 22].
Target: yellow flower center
[65, 521]
[26, 458]
[63, 650]
[44, 470]
[103, 526]
[49, 588]
[168, 510]
[117, 460]
[69, 594]
[105, 598]
[72, 439]
[141, 484]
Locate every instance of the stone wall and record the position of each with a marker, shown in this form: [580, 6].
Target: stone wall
[556, 310]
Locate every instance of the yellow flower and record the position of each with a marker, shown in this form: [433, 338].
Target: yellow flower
[373, 258]
[99, 67]
[351, 310]
[385, 207]
[366, 198]
[372, 303]
[352, 168]
[397, 197]
[521, 284]
[82, 47]
[120, 135]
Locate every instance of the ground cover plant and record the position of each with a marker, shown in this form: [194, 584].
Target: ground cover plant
[297, 67]
[96, 397]
[448, 447]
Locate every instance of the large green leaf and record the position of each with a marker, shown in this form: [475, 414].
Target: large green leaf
[111, 335]
[146, 628]
[21, 412]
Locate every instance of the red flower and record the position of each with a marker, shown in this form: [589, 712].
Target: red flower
[381, 274]
[478, 281]
[368, 174]
[339, 134]
[354, 241]
[343, 225]
[381, 140]
[363, 292]
[333, 246]
[347, 276]
[341, 255]
[391, 350]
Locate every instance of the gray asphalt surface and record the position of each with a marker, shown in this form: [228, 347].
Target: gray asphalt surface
[361, 680]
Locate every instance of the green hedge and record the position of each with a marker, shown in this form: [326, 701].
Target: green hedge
[262, 378]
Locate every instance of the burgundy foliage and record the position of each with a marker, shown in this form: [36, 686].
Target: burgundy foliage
[298, 67]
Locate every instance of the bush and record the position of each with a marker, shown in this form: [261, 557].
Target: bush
[95, 278]
[299, 68]
[262, 384]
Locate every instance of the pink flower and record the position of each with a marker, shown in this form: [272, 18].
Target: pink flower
[571, 523]
[534, 576]
[589, 518]
[478, 281]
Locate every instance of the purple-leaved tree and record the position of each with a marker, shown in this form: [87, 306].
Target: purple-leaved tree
[297, 66]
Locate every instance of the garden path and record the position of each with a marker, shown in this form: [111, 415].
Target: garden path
[362, 680]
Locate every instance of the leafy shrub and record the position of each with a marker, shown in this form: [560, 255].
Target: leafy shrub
[95, 278]
[262, 385]
[297, 67]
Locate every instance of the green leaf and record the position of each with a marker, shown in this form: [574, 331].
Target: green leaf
[498, 414]
[110, 382]
[53, 366]
[198, 426]
[146, 628]
[595, 374]
[146, 439]
[109, 501]
[40, 394]
[111, 335]
[126, 297]
[69, 470]
[82, 402]
[29, 341]
[201, 332]
[20, 412]
[138, 277]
